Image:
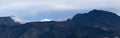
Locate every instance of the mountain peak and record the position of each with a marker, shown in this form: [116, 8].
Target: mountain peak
[10, 20]
[95, 15]
[101, 12]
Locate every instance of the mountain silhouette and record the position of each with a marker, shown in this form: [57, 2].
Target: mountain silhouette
[94, 24]
[9, 20]
[98, 17]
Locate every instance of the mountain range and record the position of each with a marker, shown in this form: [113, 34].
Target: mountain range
[94, 24]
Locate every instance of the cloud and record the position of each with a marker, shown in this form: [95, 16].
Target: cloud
[43, 20]
[33, 8]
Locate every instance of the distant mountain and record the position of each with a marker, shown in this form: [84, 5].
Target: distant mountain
[95, 24]
[99, 18]
[10, 20]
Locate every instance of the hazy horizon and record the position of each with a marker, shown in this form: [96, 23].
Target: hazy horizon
[35, 10]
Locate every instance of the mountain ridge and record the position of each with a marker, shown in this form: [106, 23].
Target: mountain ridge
[8, 20]
[95, 24]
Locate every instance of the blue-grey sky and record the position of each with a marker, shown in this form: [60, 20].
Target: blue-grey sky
[35, 10]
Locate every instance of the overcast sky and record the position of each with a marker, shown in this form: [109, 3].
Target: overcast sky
[35, 10]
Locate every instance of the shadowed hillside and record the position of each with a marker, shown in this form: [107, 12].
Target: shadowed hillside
[95, 24]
